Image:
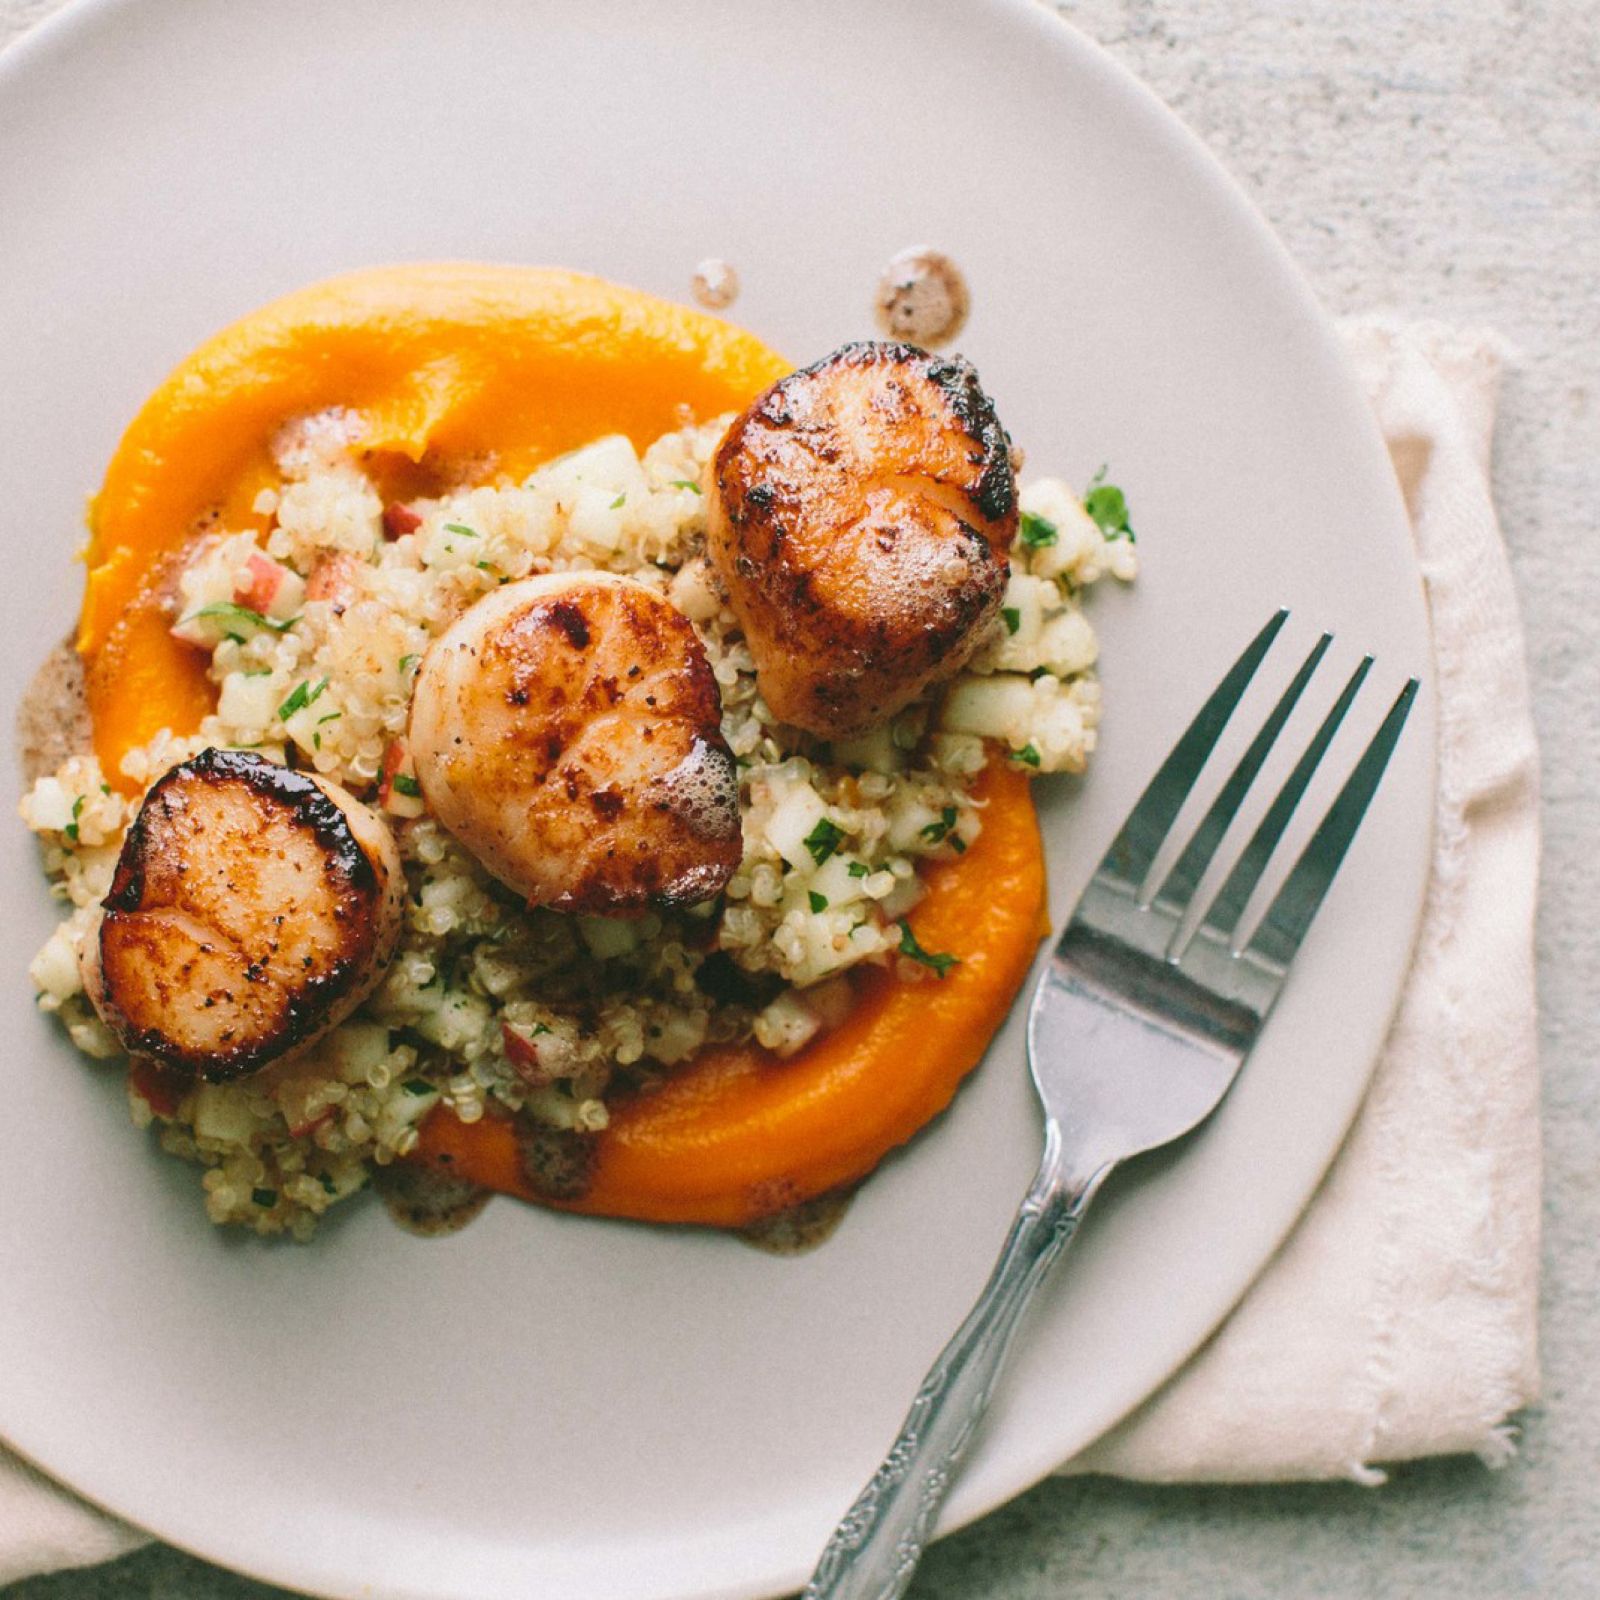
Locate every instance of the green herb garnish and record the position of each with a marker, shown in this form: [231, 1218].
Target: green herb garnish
[858, 869]
[1107, 504]
[1027, 755]
[408, 661]
[823, 840]
[819, 902]
[462, 529]
[1037, 531]
[407, 785]
[935, 831]
[1013, 618]
[909, 947]
[265, 1198]
[300, 697]
[619, 502]
[332, 716]
[686, 483]
[418, 1086]
[71, 829]
[328, 1185]
[237, 613]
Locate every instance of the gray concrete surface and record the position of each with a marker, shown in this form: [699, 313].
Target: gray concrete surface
[1443, 159]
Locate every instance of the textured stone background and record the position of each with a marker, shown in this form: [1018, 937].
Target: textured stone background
[1441, 157]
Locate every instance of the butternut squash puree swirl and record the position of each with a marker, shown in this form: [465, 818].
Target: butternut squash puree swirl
[520, 365]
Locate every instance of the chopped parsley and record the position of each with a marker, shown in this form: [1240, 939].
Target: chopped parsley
[1037, 531]
[408, 661]
[484, 566]
[71, 829]
[301, 696]
[1107, 504]
[819, 902]
[462, 529]
[265, 1198]
[234, 612]
[935, 832]
[858, 869]
[909, 947]
[540, 1027]
[407, 785]
[823, 840]
[1027, 755]
[332, 716]
[328, 1185]
[418, 1086]
[686, 483]
[1013, 618]
[619, 502]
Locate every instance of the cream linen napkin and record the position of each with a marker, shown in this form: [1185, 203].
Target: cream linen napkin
[1398, 1319]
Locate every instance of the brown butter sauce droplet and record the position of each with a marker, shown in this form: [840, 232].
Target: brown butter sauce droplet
[428, 1201]
[802, 1228]
[923, 298]
[715, 284]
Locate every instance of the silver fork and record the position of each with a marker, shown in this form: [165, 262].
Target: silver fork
[1134, 1035]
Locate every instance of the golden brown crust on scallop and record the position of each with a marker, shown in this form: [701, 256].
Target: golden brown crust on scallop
[567, 730]
[860, 515]
[252, 908]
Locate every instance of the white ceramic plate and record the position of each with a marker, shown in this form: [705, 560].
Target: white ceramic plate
[547, 1405]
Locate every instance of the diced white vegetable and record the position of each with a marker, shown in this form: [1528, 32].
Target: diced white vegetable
[998, 707]
[55, 969]
[794, 819]
[460, 1020]
[694, 592]
[223, 1112]
[48, 807]
[900, 899]
[607, 936]
[1077, 538]
[786, 1025]
[682, 1033]
[353, 1049]
[249, 702]
[609, 465]
[909, 819]
[833, 882]
[875, 750]
[1067, 644]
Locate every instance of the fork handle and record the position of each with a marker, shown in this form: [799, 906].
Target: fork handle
[875, 1549]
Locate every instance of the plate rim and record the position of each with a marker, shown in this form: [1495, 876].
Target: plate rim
[57, 34]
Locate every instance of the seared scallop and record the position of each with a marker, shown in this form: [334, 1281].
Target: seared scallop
[252, 909]
[567, 730]
[860, 517]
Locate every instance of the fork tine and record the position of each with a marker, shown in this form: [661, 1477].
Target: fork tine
[1296, 903]
[1185, 877]
[1134, 849]
[1223, 916]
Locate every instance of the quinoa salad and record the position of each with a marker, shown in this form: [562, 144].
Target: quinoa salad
[314, 629]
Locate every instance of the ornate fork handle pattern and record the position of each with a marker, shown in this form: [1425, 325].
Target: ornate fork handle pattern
[876, 1547]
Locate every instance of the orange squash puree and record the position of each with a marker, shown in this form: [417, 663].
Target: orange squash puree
[741, 1134]
[452, 360]
[523, 363]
